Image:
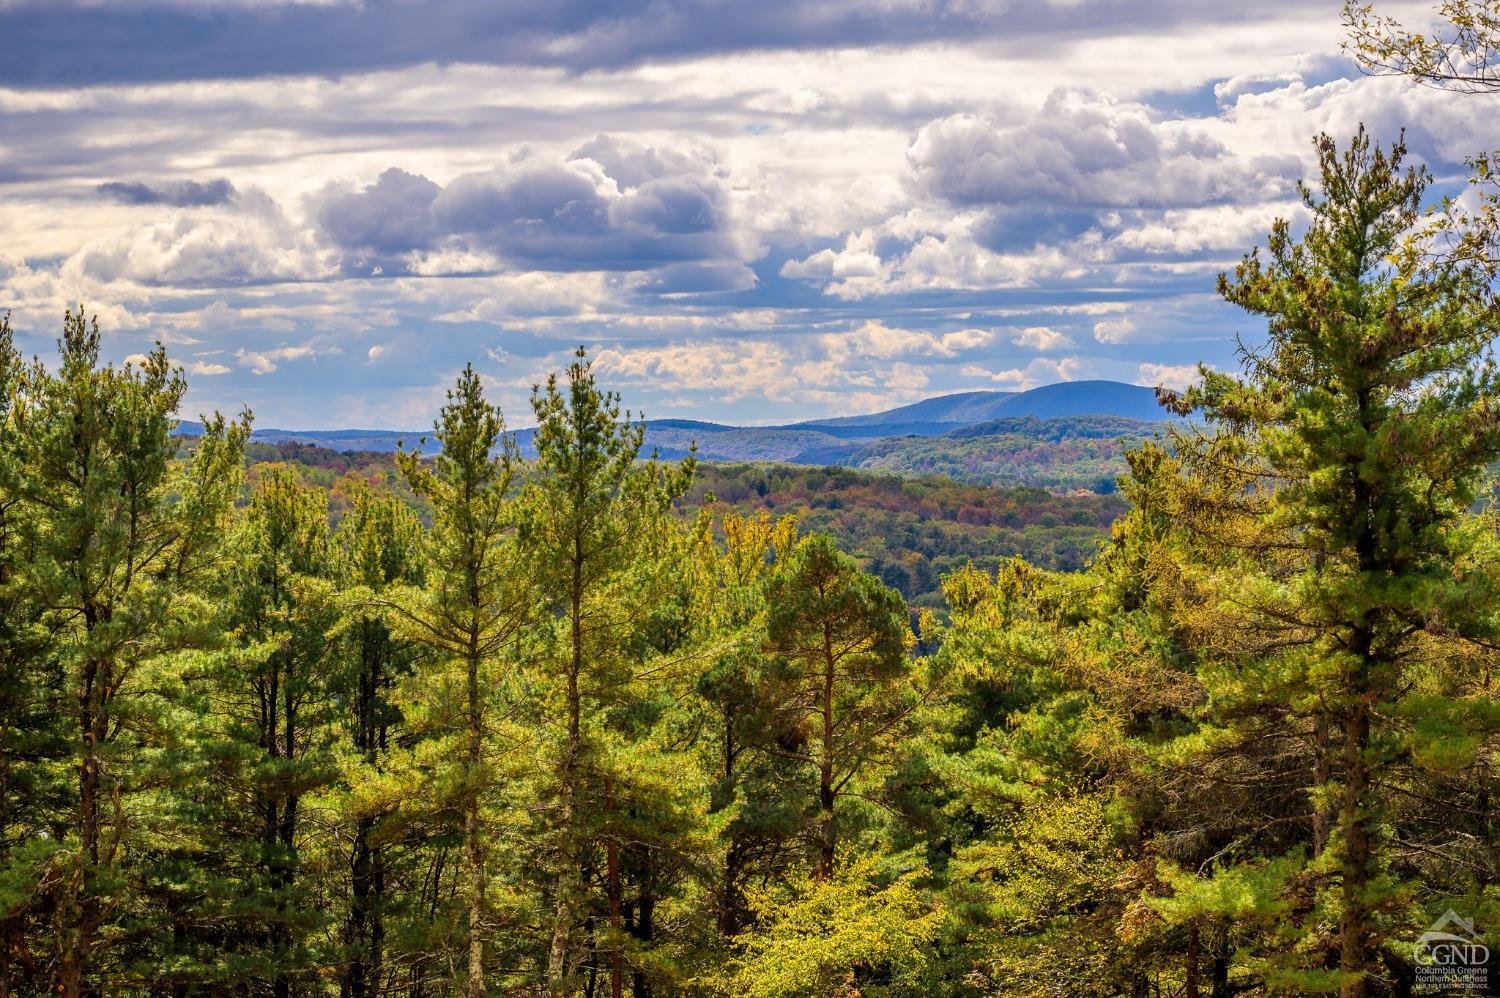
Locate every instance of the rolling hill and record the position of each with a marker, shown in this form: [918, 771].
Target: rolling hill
[1062, 436]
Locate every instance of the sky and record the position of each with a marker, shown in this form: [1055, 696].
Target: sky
[747, 212]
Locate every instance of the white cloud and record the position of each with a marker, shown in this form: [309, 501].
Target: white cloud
[267, 361]
[1041, 371]
[1089, 149]
[875, 339]
[1042, 338]
[1167, 375]
[1115, 331]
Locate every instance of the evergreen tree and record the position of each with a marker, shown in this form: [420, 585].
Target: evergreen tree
[840, 642]
[469, 613]
[753, 785]
[121, 541]
[1371, 413]
[379, 544]
[594, 526]
[278, 701]
[34, 789]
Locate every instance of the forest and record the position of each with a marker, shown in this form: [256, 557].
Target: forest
[555, 735]
[909, 531]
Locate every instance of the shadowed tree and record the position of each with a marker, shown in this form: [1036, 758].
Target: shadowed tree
[840, 639]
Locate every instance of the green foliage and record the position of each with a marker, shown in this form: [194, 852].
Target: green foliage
[856, 933]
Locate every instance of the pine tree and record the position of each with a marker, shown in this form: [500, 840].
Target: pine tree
[379, 544]
[470, 611]
[593, 519]
[34, 789]
[278, 692]
[1373, 411]
[840, 642]
[753, 786]
[121, 539]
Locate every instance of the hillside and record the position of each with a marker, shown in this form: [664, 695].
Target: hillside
[1086, 452]
[908, 530]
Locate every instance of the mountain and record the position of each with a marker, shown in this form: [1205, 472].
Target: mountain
[1066, 435]
[1059, 401]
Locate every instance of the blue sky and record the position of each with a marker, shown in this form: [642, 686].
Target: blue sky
[747, 212]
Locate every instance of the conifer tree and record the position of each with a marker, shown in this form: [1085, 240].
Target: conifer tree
[279, 701]
[1372, 411]
[593, 523]
[753, 785]
[840, 641]
[474, 602]
[379, 544]
[33, 738]
[122, 541]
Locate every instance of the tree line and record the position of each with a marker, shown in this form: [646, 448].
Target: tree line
[561, 739]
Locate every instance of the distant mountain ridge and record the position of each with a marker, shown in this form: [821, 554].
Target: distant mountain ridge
[966, 423]
[1060, 401]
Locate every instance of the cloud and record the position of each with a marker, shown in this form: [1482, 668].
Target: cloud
[1090, 150]
[1115, 331]
[868, 367]
[1167, 375]
[177, 193]
[193, 367]
[267, 361]
[874, 339]
[388, 217]
[141, 40]
[255, 243]
[1042, 338]
[1041, 371]
[610, 206]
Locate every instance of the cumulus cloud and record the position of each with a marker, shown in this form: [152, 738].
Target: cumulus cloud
[610, 206]
[869, 366]
[1113, 331]
[1178, 376]
[390, 216]
[876, 339]
[1041, 371]
[177, 193]
[1089, 150]
[256, 243]
[1042, 338]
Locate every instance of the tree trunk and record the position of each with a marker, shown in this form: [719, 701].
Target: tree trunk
[827, 843]
[1191, 984]
[81, 909]
[1354, 930]
[1223, 951]
[473, 837]
[562, 923]
[612, 847]
[645, 930]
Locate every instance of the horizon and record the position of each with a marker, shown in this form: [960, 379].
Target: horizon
[266, 424]
[843, 209]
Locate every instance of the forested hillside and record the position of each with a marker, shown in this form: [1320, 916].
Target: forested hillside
[1086, 452]
[483, 725]
[908, 531]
